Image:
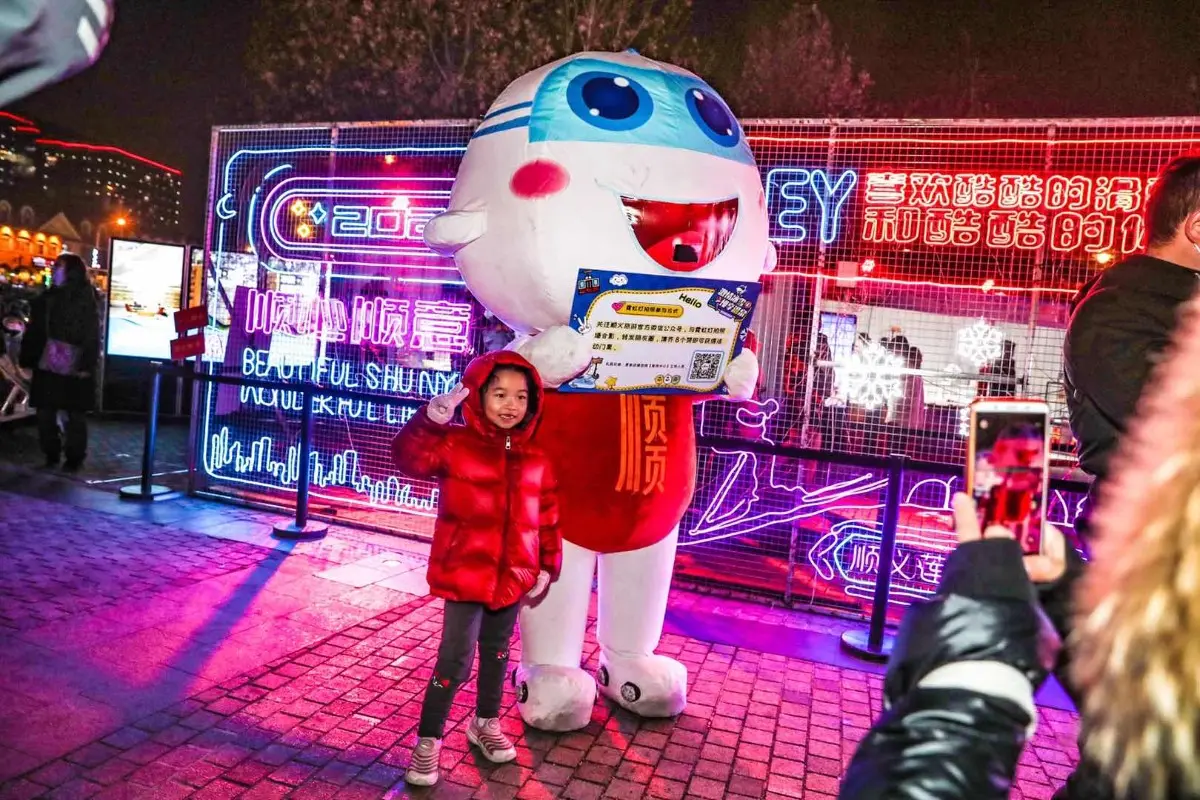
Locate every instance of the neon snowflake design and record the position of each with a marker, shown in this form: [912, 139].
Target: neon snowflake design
[979, 343]
[869, 377]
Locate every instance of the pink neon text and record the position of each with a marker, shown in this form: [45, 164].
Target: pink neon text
[426, 325]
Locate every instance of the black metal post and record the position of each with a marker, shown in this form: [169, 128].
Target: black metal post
[874, 644]
[302, 527]
[197, 388]
[146, 490]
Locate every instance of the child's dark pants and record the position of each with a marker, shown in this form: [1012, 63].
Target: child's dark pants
[465, 625]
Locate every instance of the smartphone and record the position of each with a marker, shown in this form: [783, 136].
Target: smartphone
[1008, 466]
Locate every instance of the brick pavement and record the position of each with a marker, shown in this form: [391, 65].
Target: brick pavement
[114, 450]
[243, 671]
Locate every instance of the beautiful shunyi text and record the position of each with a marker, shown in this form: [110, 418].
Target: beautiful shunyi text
[345, 374]
[406, 382]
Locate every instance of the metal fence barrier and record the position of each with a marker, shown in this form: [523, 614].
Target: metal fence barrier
[872, 644]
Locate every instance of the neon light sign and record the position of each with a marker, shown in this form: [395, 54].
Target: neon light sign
[848, 553]
[358, 216]
[1008, 211]
[980, 343]
[342, 470]
[789, 191]
[426, 325]
[389, 378]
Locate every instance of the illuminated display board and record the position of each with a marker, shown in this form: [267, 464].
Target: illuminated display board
[145, 280]
[1022, 203]
[317, 271]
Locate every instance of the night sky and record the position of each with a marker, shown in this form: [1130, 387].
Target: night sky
[174, 69]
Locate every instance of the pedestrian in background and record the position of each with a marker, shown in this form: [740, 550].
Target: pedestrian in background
[62, 347]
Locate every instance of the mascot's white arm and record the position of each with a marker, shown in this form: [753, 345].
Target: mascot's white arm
[452, 231]
[558, 353]
[741, 376]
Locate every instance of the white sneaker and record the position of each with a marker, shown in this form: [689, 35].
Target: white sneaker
[491, 741]
[423, 769]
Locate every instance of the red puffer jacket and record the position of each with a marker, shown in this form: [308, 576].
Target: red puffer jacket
[497, 523]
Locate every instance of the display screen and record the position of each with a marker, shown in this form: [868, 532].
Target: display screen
[1009, 476]
[145, 282]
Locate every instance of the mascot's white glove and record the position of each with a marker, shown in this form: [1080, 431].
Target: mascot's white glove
[539, 588]
[741, 376]
[558, 353]
[441, 408]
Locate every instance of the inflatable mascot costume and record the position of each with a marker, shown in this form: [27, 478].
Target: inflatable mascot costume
[606, 161]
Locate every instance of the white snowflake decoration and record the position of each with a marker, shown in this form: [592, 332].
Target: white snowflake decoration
[964, 421]
[869, 378]
[980, 343]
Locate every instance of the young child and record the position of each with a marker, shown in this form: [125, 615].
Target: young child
[496, 538]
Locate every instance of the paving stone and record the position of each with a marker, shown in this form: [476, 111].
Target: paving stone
[323, 701]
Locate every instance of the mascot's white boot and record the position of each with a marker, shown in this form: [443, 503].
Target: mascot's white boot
[553, 692]
[633, 594]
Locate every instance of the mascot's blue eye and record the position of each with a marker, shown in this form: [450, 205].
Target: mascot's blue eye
[713, 117]
[609, 101]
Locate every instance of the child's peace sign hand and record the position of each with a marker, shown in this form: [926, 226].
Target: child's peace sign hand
[441, 408]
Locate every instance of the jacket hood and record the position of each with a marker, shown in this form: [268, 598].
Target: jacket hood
[476, 376]
[1138, 631]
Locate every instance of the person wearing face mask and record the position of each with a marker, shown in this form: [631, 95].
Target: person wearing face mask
[1121, 324]
[62, 347]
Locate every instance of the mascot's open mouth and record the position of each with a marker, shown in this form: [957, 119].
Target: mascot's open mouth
[681, 236]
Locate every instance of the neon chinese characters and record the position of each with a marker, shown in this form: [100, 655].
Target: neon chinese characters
[1021, 211]
[428, 325]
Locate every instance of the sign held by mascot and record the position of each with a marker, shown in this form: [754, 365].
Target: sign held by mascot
[607, 162]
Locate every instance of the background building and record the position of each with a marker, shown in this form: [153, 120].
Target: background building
[58, 193]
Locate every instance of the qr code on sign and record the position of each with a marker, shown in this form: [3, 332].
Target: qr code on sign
[705, 366]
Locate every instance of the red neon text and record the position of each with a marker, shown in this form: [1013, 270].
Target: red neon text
[1007, 211]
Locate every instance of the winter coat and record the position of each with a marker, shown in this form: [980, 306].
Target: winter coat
[958, 696]
[51, 316]
[497, 523]
[1134, 647]
[1121, 322]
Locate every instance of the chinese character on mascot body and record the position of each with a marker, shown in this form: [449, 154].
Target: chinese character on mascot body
[606, 161]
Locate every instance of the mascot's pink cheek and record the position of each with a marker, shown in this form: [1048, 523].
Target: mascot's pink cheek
[540, 178]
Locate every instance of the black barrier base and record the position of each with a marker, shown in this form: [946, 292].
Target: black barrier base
[310, 530]
[156, 493]
[857, 642]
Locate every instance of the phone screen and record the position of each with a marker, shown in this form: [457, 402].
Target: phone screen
[1009, 472]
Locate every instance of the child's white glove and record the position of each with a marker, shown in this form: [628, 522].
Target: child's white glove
[539, 588]
[441, 408]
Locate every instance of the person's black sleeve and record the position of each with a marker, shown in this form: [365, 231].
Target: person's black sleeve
[33, 342]
[90, 356]
[1111, 348]
[957, 742]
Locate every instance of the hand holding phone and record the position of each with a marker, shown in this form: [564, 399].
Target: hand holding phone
[1008, 466]
[1045, 567]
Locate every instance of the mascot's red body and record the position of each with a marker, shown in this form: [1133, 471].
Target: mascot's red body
[628, 466]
